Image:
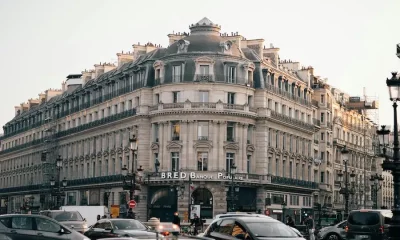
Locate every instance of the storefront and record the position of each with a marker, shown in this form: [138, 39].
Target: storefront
[162, 203]
[245, 199]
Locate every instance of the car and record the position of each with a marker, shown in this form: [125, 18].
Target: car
[231, 214]
[72, 219]
[368, 224]
[250, 228]
[117, 227]
[334, 232]
[34, 227]
[168, 229]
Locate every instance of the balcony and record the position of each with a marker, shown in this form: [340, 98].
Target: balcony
[211, 106]
[339, 142]
[316, 141]
[325, 187]
[71, 184]
[287, 95]
[202, 138]
[317, 122]
[293, 182]
[204, 77]
[83, 127]
[290, 120]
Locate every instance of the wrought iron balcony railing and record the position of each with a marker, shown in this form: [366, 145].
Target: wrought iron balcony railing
[290, 120]
[294, 182]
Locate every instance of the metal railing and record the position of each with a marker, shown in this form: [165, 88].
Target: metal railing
[287, 95]
[294, 182]
[290, 120]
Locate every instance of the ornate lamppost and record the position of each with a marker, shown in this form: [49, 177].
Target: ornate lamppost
[393, 164]
[346, 191]
[232, 172]
[131, 180]
[375, 187]
[56, 186]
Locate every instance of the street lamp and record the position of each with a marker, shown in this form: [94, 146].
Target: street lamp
[393, 165]
[107, 193]
[346, 191]
[232, 172]
[375, 187]
[57, 192]
[130, 179]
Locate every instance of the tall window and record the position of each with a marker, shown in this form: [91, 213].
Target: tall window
[231, 98]
[113, 166]
[230, 159]
[202, 130]
[249, 134]
[230, 132]
[203, 96]
[202, 161]
[176, 129]
[176, 97]
[176, 73]
[106, 167]
[231, 74]
[277, 167]
[322, 117]
[155, 132]
[94, 169]
[248, 164]
[204, 70]
[175, 162]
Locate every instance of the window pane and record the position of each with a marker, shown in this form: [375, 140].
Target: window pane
[47, 225]
[204, 70]
[202, 161]
[22, 223]
[262, 229]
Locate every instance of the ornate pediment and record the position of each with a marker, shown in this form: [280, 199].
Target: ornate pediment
[158, 64]
[203, 59]
[154, 147]
[99, 154]
[126, 149]
[292, 155]
[202, 144]
[70, 160]
[87, 157]
[285, 153]
[119, 150]
[231, 146]
[278, 151]
[174, 146]
[81, 158]
[93, 155]
[250, 148]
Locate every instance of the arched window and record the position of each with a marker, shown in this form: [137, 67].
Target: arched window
[204, 198]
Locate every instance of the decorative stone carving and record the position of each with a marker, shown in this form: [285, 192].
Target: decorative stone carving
[226, 47]
[105, 153]
[250, 148]
[112, 152]
[119, 150]
[203, 144]
[271, 149]
[183, 46]
[81, 158]
[231, 146]
[93, 155]
[174, 146]
[154, 147]
[99, 154]
[126, 149]
[87, 157]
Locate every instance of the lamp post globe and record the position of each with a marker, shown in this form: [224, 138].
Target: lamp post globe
[64, 182]
[52, 181]
[124, 171]
[233, 169]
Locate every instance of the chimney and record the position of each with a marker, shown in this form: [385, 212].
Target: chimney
[124, 58]
[73, 82]
[98, 70]
[108, 67]
[86, 76]
[42, 98]
[17, 110]
[272, 53]
[63, 86]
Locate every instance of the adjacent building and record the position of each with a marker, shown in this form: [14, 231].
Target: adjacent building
[207, 102]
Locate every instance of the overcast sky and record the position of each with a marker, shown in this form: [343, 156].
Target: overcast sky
[350, 42]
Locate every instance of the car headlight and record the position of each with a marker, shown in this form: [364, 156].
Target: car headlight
[85, 226]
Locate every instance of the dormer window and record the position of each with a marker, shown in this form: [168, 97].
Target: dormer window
[183, 46]
[204, 69]
[176, 73]
[231, 74]
[159, 72]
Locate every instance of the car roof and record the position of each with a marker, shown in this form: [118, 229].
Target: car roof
[251, 219]
[385, 212]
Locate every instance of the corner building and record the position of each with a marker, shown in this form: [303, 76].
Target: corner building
[208, 100]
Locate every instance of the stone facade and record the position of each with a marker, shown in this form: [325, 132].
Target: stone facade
[207, 101]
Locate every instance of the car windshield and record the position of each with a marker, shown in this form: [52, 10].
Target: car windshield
[66, 216]
[128, 225]
[271, 229]
[364, 218]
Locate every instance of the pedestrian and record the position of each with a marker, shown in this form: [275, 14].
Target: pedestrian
[289, 221]
[311, 227]
[198, 223]
[131, 214]
[177, 219]
[98, 217]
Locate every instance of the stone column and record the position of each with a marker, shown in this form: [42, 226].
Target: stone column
[143, 153]
[221, 141]
[261, 154]
[184, 137]
[243, 147]
[192, 130]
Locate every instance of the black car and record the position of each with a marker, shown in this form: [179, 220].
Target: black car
[250, 228]
[112, 228]
[368, 224]
[35, 227]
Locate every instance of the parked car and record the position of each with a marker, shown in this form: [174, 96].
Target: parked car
[334, 232]
[34, 227]
[368, 224]
[251, 227]
[231, 214]
[72, 219]
[117, 227]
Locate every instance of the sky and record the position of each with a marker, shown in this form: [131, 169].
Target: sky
[352, 43]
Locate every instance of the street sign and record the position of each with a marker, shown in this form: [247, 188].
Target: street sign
[132, 204]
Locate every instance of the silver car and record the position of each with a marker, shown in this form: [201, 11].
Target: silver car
[71, 219]
[335, 232]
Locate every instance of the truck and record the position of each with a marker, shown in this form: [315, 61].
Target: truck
[89, 212]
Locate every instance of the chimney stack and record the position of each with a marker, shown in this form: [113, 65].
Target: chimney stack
[73, 81]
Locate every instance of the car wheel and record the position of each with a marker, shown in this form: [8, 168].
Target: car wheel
[333, 236]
